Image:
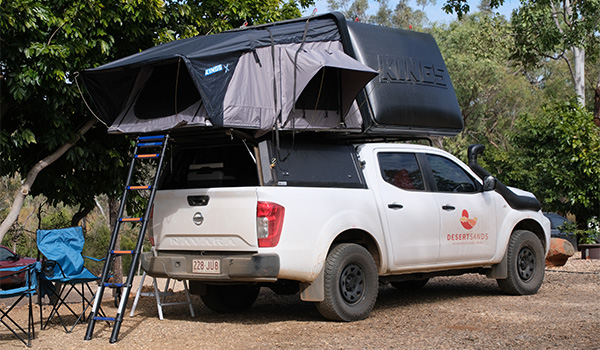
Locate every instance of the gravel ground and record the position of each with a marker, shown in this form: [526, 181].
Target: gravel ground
[463, 312]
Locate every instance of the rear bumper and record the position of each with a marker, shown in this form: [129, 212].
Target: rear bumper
[234, 267]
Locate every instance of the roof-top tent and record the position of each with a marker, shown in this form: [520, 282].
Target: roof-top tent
[317, 73]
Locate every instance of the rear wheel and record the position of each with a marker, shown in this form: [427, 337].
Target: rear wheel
[350, 284]
[526, 263]
[230, 298]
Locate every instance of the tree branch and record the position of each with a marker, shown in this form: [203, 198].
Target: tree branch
[555, 12]
[32, 175]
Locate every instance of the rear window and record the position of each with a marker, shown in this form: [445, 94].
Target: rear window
[203, 167]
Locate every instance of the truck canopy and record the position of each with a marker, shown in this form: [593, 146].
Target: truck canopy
[302, 74]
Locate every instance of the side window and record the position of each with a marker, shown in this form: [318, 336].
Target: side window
[449, 177]
[4, 254]
[401, 170]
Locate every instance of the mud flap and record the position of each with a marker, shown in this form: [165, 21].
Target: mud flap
[500, 270]
[313, 291]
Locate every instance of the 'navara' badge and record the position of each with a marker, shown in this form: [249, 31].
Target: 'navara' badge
[198, 218]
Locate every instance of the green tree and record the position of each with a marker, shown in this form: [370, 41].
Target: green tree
[490, 89]
[557, 156]
[400, 16]
[554, 29]
[352, 10]
[558, 30]
[43, 117]
[461, 7]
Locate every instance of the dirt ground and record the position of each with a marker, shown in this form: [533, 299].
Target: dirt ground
[463, 312]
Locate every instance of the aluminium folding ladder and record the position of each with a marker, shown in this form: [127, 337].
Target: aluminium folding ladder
[143, 142]
[161, 295]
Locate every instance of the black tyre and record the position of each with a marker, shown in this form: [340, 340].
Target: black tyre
[410, 285]
[350, 284]
[526, 263]
[229, 299]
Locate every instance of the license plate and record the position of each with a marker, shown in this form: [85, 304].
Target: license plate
[207, 266]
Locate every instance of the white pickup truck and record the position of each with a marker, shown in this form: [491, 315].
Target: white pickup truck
[332, 221]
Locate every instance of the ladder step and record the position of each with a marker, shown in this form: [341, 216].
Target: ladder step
[130, 219]
[152, 137]
[121, 252]
[150, 144]
[98, 318]
[147, 187]
[147, 156]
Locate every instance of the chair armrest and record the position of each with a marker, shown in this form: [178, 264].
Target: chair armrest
[93, 259]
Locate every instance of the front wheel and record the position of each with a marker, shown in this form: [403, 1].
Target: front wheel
[350, 284]
[526, 262]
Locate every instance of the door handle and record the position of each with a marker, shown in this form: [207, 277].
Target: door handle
[448, 207]
[395, 206]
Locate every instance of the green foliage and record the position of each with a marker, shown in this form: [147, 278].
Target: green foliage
[402, 15]
[544, 28]
[557, 154]
[45, 43]
[57, 219]
[461, 7]
[97, 239]
[589, 235]
[490, 90]
[547, 30]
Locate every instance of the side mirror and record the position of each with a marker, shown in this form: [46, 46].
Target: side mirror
[15, 257]
[489, 183]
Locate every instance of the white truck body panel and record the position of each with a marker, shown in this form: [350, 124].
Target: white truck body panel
[413, 231]
[229, 220]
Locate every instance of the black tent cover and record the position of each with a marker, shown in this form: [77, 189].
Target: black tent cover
[306, 73]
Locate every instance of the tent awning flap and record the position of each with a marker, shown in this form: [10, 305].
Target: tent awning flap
[265, 81]
[326, 79]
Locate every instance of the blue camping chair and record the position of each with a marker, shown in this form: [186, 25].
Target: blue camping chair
[17, 292]
[63, 271]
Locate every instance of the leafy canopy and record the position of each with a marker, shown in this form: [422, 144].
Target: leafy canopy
[44, 43]
[557, 153]
[490, 90]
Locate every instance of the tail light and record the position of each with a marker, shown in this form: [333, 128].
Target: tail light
[269, 222]
[149, 228]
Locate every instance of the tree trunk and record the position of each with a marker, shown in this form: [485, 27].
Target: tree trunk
[597, 103]
[82, 213]
[32, 175]
[579, 60]
[113, 209]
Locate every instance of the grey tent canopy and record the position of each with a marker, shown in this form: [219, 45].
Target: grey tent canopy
[301, 74]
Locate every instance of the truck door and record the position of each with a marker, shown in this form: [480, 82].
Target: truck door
[412, 221]
[468, 216]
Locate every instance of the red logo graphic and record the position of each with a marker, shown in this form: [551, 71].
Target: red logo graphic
[466, 222]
